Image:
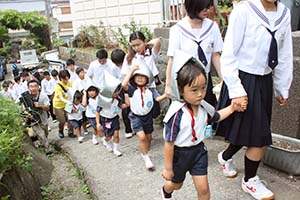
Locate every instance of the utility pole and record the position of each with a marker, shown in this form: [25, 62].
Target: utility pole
[48, 13]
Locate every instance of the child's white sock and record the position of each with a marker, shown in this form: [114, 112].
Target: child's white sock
[116, 146]
[94, 137]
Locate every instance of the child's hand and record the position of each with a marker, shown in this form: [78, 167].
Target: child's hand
[239, 107]
[167, 174]
[135, 67]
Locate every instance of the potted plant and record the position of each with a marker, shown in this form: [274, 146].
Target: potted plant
[283, 154]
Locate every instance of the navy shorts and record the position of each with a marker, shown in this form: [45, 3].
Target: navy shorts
[141, 123]
[76, 123]
[110, 125]
[189, 159]
[93, 122]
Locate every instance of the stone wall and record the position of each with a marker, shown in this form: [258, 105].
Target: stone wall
[21, 184]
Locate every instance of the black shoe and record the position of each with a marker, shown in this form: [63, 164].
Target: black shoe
[61, 134]
[71, 135]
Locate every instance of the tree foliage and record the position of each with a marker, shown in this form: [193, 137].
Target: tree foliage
[31, 21]
[11, 135]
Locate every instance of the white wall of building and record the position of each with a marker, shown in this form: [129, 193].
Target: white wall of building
[114, 13]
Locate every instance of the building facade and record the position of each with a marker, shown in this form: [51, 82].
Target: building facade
[115, 13]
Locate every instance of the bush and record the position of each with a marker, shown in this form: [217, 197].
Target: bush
[92, 36]
[11, 136]
[122, 33]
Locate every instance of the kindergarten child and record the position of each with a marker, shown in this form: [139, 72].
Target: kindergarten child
[107, 113]
[75, 110]
[185, 127]
[141, 103]
[91, 109]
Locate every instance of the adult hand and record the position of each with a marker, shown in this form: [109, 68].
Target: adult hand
[281, 100]
[240, 103]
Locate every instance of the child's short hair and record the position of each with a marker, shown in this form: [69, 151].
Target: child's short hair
[102, 53]
[93, 88]
[188, 73]
[78, 70]
[70, 62]
[46, 73]
[24, 74]
[63, 74]
[117, 56]
[77, 96]
[194, 7]
[5, 84]
[54, 72]
[17, 78]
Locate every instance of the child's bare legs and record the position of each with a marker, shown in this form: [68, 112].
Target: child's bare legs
[202, 188]
[149, 138]
[169, 186]
[77, 132]
[116, 140]
[144, 142]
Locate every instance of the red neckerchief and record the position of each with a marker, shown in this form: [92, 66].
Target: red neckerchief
[192, 124]
[143, 52]
[142, 97]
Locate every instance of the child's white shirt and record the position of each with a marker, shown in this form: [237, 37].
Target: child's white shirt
[96, 71]
[76, 116]
[110, 109]
[91, 107]
[51, 86]
[79, 84]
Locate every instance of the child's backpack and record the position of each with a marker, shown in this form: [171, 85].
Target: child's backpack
[15, 70]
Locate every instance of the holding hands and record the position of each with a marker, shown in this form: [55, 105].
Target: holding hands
[239, 103]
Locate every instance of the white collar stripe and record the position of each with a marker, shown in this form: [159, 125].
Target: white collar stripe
[191, 35]
[278, 21]
[259, 13]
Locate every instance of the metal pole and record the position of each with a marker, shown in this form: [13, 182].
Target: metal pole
[48, 12]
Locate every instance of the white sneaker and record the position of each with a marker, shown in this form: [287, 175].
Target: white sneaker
[86, 133]
[109, 147]
[148, 163]
[117, 152]
[54, 121]
[80, 139]
[257, 189]
[95, 141]
[227, 166]
[128, 135]
[49, 128]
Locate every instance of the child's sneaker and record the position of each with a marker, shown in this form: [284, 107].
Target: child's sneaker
[227, 166]
[164, 196]
[54, 121]
[49, 128]
[128, 135]
[257, 189]
[80, 139]
[148, 162]
[117, 152]
[95, 141]
[85, 132]
[109, 147]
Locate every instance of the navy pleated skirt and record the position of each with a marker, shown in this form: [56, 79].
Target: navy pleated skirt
[252, 127]
[210, 97]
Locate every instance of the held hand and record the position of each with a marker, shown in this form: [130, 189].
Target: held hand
[167, 174]
[281, 101]
[240, 103]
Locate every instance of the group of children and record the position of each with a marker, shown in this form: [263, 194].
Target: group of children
[128, 82]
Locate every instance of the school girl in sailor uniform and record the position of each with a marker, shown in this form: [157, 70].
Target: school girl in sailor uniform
[200, 37]
[257, 59]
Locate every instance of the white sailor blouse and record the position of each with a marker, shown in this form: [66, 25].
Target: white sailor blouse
[185, 38]
[252, 37]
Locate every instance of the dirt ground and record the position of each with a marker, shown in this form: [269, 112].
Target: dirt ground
[66, 181]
